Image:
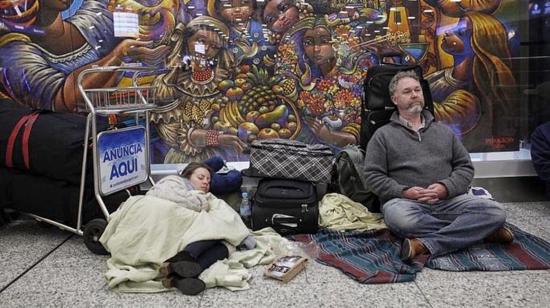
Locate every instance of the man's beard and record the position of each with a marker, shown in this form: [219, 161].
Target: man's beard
[416, 107]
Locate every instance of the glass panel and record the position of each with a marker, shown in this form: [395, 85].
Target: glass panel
[232, 71]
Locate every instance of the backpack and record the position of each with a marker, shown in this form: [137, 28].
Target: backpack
[348, 178]
[377, 106]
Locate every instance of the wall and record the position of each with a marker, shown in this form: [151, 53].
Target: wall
[229, 72]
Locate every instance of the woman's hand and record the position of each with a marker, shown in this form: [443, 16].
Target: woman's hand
[232, 141]
[142, 51]
[320, 129]
[337, 138]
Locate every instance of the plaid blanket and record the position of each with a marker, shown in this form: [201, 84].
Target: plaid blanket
[373, 256]
[527, 252]
[368, 257]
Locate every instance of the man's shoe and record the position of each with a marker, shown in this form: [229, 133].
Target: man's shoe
[502, 235]
[185, 269]
[412, 248]
[187, 286]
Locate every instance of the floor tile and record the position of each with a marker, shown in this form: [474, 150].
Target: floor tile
[22, 244]
[527, 209]
[538, 226]
[72, 276]
[485, 289]
[346, 293]
[69, 268]
[99, 298]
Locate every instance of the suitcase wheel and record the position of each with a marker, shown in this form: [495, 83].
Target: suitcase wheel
[92, 232]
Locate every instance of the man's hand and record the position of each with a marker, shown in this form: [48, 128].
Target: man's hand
[430, 195]
[440, 190]
[418, 193]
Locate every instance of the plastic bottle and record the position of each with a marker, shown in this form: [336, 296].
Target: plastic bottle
[245, 209]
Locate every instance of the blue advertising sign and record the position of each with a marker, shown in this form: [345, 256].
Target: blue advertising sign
[122, 159]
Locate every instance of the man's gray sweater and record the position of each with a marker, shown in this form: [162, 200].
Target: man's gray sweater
[398, 158]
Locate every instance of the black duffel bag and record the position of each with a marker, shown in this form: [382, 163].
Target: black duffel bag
[42, 142]
[288, 206]
[53, 199]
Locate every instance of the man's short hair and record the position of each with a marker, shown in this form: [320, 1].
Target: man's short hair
[399, 76]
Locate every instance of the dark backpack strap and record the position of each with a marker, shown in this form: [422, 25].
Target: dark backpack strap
[12, 138]
[26, 134]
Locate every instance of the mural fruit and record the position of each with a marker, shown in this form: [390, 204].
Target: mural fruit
[278, 114]
[224, 85]
[288, 87]
[252, 115]
[277, 89]
[285, 133]
[292, 126]
[264, 109]
[246, 129]
[257, 106]
[234, 93]
[240, 82]
[268, 133]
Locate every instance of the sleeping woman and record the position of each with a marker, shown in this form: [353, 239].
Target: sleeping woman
[168, 237]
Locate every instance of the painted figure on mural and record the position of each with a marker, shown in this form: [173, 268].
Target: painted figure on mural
[317, 46]
[330, 96]
[455, 8]
[280, 15]
[193, 100]
[246, 37]
[475, 96]
[40, 65]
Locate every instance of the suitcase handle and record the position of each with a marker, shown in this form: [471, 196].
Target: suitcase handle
[284, 142]
[285, 220]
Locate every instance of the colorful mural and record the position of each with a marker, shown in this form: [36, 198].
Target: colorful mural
[232, 71]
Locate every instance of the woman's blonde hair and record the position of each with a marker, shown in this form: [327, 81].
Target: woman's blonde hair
[491, 68]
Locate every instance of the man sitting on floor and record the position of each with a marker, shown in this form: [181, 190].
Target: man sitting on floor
[421, 172]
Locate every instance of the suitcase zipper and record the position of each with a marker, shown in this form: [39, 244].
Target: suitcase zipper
[304, 208]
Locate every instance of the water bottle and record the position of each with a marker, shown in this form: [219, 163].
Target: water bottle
[245, 209]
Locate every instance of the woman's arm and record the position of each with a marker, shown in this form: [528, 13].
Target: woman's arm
[68, 97]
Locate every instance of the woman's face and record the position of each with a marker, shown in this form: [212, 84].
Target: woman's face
[458, 41]
[235, 11]
[318, 46]
[280, 15]
[200, 179]
[203, 44]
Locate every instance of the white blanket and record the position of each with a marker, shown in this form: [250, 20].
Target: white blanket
[180, 190]
[146, 230]
[232, 273]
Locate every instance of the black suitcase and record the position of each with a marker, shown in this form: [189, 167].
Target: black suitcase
[288, 206]
[53, 199]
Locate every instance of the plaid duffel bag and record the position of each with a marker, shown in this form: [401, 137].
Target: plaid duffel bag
[291, 159]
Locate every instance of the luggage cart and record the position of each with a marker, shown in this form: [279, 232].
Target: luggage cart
[125, 152]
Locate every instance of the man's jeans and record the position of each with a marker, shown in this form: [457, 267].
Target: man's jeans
[447, 225]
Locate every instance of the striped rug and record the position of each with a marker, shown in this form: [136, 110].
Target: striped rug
[373, 256]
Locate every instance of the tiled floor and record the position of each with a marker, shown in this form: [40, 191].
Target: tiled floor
[43, 266]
